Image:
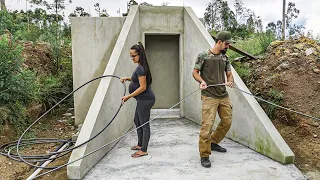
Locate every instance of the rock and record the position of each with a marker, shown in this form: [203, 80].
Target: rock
[276, 43]
[316, 70]
[282, 59]
[287, 51]
[79, 127]
[301, 69]
[295, 54]
[67, 114]
[313, 123]
[296, 50]
[284, 65]
[315, 136]
[310, 61]
[309, 51]
[299, 46]
[70, 109]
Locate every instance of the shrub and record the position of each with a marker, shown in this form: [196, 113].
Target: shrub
[17, 86]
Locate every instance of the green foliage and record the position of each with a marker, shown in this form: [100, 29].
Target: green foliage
[29, 135]
[4, 114]
[294, 30]
[7, 21]
[53, 89]
[79, 12]
[16, 84]
[274, 29]
[56, 86]
[241, 23]
[275, 97]
[292, 13]
[101, 12]
[264, 41]
[43, 127]
[133, 2]
[242, 70]
[257, 44]
[17, 117]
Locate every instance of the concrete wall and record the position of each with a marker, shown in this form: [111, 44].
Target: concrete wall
[251, 126]
[163, 57]
[93, 40]
[105, 102]
[196, 40]
[161, 19]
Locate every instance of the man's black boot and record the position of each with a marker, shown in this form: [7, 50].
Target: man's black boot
[216, 147]
[205, 162]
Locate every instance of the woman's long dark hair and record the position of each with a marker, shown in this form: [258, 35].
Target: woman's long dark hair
[143, 61]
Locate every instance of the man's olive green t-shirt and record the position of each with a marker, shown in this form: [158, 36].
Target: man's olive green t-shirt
[212, 70]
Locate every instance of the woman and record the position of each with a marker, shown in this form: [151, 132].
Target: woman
[140, 89]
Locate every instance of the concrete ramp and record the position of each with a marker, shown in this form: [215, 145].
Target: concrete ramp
[173, 154]
[109, 44]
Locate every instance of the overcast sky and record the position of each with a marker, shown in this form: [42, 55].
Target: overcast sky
[268, 10]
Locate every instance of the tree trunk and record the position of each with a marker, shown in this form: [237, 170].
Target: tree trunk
[3, 5]
[284, 20]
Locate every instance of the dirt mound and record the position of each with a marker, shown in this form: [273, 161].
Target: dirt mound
[38, 57]
[289, 75]
[291, 68]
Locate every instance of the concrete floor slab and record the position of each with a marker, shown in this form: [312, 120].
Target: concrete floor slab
[173, 154]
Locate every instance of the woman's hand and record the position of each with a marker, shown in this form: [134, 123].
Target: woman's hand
[124, 79]
[125, 98]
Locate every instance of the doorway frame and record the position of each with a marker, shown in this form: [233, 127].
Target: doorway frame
[179, 112]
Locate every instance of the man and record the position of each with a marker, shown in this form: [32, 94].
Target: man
[213, 65]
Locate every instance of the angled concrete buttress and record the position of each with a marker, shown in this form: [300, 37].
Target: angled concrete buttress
[106, 100]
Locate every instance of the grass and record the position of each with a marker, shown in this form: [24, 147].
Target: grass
[275, 97]
[256, 45]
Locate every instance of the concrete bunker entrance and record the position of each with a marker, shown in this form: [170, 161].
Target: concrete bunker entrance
[163, 58]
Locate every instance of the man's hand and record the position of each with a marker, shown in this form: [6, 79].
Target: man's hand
[229, 84]
[203, 85]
